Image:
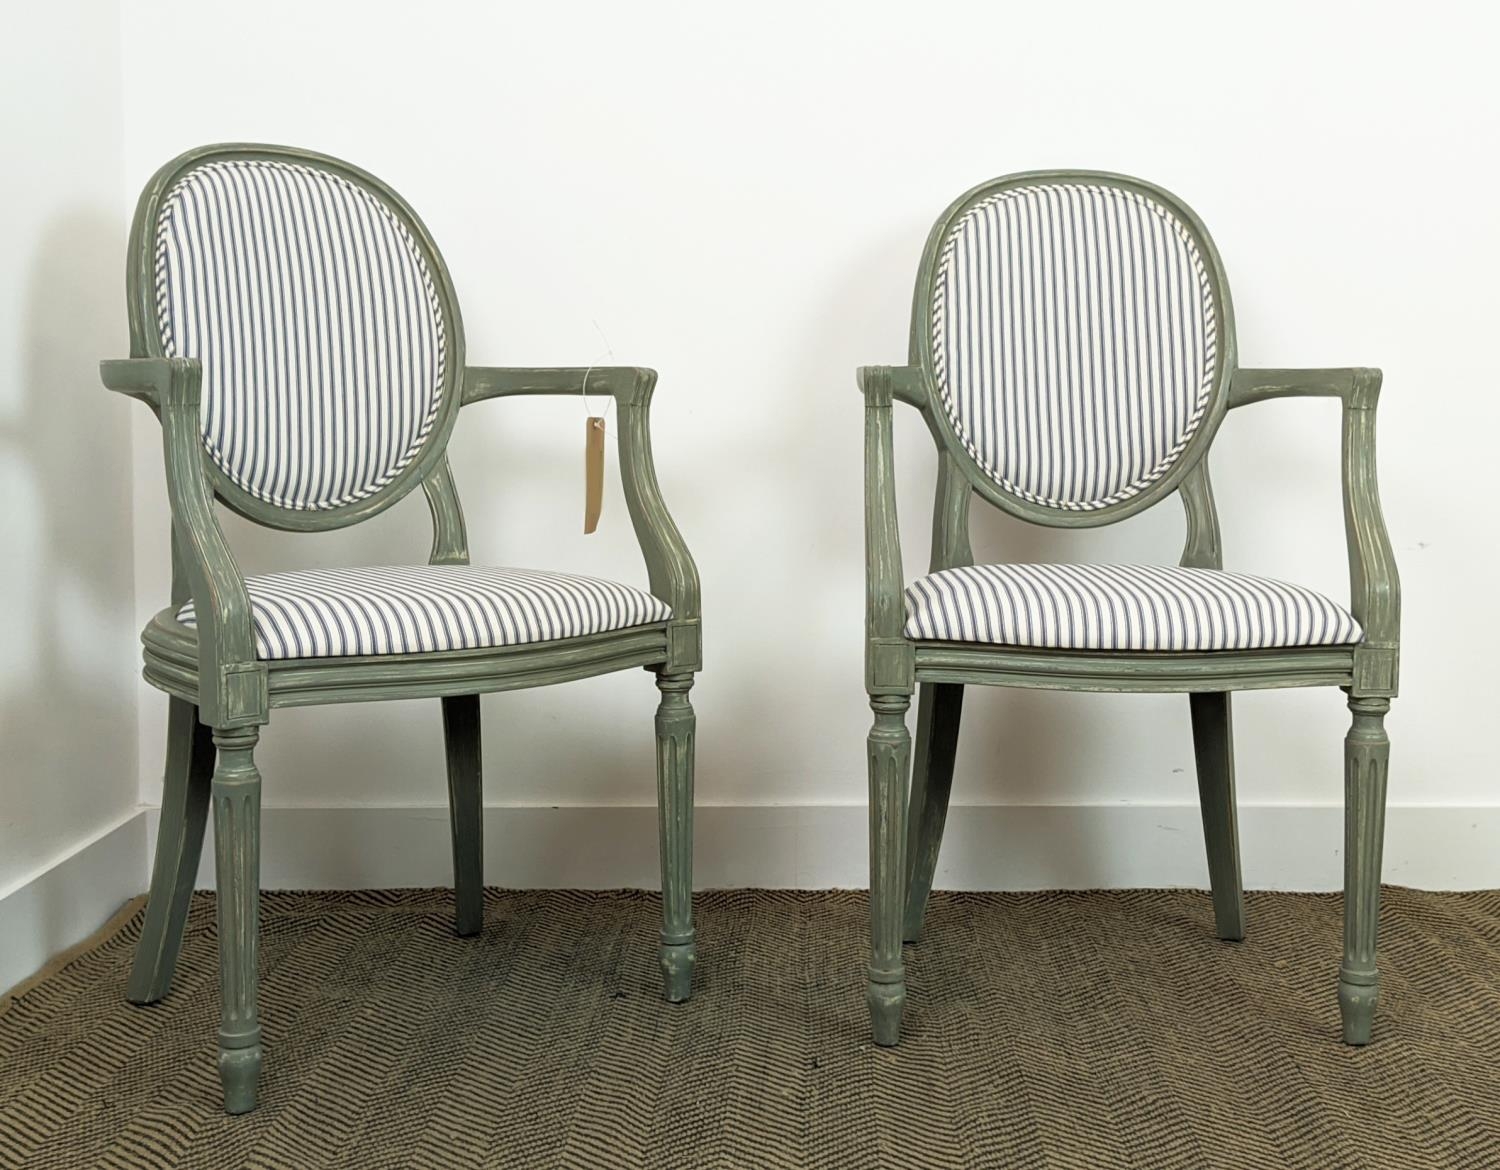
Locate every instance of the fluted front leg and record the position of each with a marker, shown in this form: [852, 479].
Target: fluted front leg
[1366, 757]
[236, 790]
[890, 764]
[675, 729]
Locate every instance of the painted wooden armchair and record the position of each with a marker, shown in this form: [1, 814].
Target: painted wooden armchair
[1073, 353]
[294, 329]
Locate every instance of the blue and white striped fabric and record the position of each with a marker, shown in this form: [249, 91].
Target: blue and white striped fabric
[418, 609]
[1121, 607]
[317, 323]
[1075, 341]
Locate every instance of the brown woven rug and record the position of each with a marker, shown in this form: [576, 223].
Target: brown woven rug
[1074, 1030]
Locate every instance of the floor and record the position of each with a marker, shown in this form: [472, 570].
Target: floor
[1072, 1030]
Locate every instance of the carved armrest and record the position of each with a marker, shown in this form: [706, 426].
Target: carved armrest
[231, 683]
[888, 662]
[1374, 584]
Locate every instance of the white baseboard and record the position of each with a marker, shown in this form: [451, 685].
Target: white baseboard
[988, 847]
[73, 896]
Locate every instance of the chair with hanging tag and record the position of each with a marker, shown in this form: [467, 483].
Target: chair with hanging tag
[295, 331]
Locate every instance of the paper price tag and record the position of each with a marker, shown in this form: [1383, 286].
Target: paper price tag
[593, 472]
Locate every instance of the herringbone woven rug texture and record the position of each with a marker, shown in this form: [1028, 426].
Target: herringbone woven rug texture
[1071, 1030]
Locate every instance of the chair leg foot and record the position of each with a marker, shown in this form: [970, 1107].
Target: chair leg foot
[239, 1073]
[677, 961]
[1357, 1010]
[887, 1002]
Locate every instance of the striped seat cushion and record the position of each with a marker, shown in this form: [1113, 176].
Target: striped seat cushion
[317, 323]
[1074, 341]
[1121, 607]
[416, 609]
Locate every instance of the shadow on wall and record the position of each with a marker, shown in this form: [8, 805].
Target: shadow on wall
[67, 692]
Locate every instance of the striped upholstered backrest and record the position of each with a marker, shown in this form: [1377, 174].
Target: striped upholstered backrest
[1075, 340]
[317, 323]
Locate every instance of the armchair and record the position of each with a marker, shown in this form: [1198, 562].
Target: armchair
[295, 330]
[1073, 352]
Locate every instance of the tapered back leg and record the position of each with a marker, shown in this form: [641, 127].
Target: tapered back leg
[465, 809]
[1213, 748]
[179, 844]
[939, 711]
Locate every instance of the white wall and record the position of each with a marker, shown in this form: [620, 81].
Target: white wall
[67, 639]
[741, 201]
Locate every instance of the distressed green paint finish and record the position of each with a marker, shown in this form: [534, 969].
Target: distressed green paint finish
[1367, 753]
[676, 727]
[300, 682]
[1135, 671]
[450, 540]
[896, 667]
[236, 788]
[216, 682]
[889, 751]
[1201, 549]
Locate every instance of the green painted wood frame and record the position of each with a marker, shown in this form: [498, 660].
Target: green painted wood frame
[221, 694]
[907, 816]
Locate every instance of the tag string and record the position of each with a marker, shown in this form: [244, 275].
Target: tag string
[583, 392]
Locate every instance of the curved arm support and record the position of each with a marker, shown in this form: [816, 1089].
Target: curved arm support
[1201, 549]
[1374, 584]
[669, 565]
[889, 659]
[450, 541]
[231, 683]
[950, 516]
